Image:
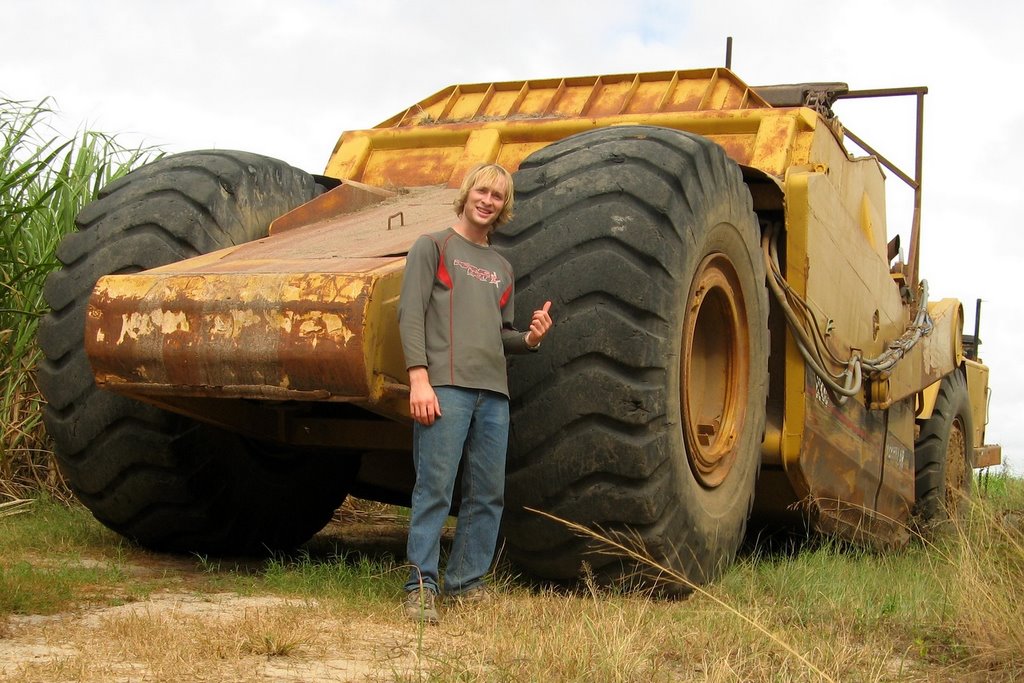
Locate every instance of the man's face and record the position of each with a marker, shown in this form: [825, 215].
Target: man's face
[485, 202]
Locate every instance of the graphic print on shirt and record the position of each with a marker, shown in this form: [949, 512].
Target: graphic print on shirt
[480, 274]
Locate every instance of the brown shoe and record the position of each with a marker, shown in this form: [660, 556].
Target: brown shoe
[419, 606]
[476, 595]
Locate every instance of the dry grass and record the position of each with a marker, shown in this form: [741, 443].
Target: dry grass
[936, 612]
[15, 507]
[987, 559]
[542, 636]
[179, 637]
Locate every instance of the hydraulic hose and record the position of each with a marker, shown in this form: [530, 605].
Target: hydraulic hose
[812, 342]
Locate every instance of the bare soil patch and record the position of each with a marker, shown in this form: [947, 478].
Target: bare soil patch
[127, 643]
[183, 632]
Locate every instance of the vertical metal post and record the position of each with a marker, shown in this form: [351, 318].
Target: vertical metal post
[728, 52]
[977, 329]
[914, 256]
[977, 318]
[914, 250]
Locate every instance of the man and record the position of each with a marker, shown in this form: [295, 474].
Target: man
[455, 318]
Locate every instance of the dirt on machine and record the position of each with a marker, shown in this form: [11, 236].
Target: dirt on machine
[739, 341]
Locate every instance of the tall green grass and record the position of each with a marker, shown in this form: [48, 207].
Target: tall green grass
[45, 179]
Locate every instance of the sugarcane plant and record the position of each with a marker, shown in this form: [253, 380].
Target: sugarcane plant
[45, 179]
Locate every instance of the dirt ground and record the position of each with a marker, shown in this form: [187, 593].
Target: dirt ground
[69, 642]
[181, 633]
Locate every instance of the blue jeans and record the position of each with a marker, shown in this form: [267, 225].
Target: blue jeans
[473, 427]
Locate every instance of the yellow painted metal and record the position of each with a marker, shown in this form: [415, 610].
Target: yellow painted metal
[978, 389]
[385, 360]
[985, 455]
[584, 97]
[797, 268]
[763, 139]
[436, 140]
[352, 239]
[324, 286]
[926, 401]
[853, 461]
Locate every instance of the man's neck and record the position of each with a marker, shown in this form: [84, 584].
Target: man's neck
[472, 232]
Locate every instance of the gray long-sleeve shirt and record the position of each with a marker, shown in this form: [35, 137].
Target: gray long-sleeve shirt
[455, 312]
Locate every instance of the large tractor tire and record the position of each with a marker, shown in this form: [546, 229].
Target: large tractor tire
[943, 457]
[165, 481]
[642, 417]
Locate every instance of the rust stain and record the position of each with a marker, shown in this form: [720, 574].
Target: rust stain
[296, 332]
[344, 199]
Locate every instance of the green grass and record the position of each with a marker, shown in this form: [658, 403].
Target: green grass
[53, 556]
[43, 571]
[342, 576]
[1001, 490]
[874, 589]
[45, 180]
[28, 589]
[50, 527]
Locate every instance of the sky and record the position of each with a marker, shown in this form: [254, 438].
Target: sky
[285, 79]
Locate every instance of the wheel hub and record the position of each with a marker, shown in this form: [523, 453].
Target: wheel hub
[715, 369]
[956, 467]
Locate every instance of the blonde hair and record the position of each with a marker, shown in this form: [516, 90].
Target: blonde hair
[487, 174]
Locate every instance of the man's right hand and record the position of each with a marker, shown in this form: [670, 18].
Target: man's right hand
[423, 403]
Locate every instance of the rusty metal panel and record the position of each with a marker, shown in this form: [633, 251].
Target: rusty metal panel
[855, 462]
[430, 143]
[768, 139]
[590, 96]
[335, 243]
[860, 475]
[608, 96]
[470, 101]
[896, 496]
[412, 167]
[307, 313]
[988, 455]
[344, 199]
[221, 333]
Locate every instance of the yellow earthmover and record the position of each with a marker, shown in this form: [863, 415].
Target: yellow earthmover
[738, 341]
